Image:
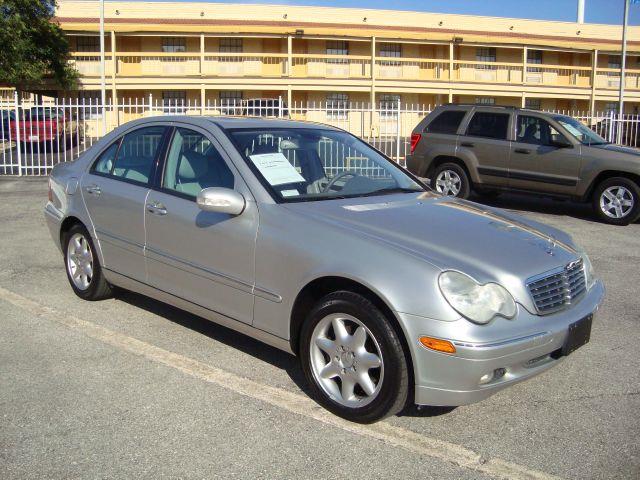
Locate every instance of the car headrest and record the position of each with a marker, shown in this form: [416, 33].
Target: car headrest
[193, 165]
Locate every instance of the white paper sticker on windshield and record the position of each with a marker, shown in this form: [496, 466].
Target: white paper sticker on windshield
[276, 169]
[289, 193]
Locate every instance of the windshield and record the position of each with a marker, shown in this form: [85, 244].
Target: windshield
[580, 131]
[316, 164]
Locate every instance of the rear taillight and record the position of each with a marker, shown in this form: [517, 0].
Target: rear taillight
[415, 138]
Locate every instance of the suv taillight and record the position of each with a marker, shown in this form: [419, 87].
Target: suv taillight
[415, 138]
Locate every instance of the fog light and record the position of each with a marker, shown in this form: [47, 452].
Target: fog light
[495, 375]
[438, 344]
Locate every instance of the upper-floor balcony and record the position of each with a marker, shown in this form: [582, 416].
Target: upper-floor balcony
[349, 67]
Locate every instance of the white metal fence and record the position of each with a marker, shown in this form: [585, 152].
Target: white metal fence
[34, 138]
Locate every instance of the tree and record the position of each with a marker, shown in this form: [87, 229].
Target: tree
[34, 52]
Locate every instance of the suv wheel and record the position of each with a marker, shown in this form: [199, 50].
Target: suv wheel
[451, 179]
[617, 201]
[353, 359]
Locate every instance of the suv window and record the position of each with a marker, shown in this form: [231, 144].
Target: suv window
[137, 154]
[535, 130]
[193, 163]
[446, 122]
[489, 125]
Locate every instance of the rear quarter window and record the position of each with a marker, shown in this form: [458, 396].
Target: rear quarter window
[446, 122]
[489, 125]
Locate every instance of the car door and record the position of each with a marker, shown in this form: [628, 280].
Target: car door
[206, 258]
[542, 158]
[487, 144]
[114, 191]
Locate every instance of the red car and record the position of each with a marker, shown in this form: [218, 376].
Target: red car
[46, 126]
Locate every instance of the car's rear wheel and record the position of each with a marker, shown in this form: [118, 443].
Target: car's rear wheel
[452, 180]
[617, 201]
[82, 265]
[353, 359]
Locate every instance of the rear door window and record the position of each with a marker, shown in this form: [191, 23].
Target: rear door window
[489, 125]
[447, 122]
[137, 154]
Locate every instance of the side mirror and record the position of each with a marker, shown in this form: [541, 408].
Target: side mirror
[561, 142]
[221, 200]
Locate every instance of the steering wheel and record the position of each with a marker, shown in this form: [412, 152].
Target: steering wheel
[340, 176]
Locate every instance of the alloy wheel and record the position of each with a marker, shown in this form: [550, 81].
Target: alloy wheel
[616, 202]
[346, 360]
[449, 183]
[80, 261]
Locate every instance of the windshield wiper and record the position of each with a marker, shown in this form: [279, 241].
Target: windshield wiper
[598, 143]
[385, 191]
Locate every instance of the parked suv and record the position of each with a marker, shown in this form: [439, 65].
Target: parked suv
[491, 149]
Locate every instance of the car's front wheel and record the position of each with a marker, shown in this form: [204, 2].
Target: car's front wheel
[452, 180]
[617, 201]
[83, 267]
[353, 358]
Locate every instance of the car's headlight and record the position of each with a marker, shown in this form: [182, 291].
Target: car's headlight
[478, 303]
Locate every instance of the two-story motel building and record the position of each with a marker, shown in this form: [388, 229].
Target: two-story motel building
[208, 52]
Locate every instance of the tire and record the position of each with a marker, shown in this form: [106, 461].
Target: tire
[370, 336]
[88, 287]
[451, 179]
[626, 195]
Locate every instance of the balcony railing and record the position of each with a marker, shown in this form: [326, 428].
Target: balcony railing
[275, 65]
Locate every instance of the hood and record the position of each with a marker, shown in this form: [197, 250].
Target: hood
[484, 242]
[634, 152]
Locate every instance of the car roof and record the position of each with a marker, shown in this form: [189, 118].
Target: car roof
[230, 122]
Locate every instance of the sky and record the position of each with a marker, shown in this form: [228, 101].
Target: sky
[597, 11]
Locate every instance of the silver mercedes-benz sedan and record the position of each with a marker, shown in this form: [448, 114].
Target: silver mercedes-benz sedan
[306, 238]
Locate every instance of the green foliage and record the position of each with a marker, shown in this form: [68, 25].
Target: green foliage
[34, 52]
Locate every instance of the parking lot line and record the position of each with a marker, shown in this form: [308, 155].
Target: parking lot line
[289, 401]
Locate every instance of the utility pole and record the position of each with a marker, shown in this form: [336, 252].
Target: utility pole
[623, 62]
[580, 11]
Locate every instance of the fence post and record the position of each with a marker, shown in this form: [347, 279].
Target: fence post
[398, 128]
[611, 125]
[17, 120]
[281, 111]
[150, 100]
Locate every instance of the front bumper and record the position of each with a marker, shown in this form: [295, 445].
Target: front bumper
[524, 347]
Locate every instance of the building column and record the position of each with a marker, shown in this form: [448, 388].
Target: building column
[524, 64]
[201, 54]
[289, 99]
[450, 61]
[372, 98]
[289, 55]
[594, 77]
[203, 97]
[523, 101]
[114, 90]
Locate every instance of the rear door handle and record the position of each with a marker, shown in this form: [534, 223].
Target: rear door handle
[524, 151]
[156, 208]
[466, 144]
[93, 190]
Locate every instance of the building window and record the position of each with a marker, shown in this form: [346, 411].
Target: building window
[337, 47]
[533, 103]
[337, 104]
[485, 101]
[615, 61]
[174, 44]
[534, 57]
[388, 105]
[611, 107]
[486, 55]
[174, 101]
[230, 45]
[88, 44]
[390, 50]
[231, 102]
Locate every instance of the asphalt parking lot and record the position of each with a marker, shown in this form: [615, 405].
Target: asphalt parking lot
[129, 387]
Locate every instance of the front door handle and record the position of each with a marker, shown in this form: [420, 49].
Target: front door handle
[156, 208]
[524, 151]
[466, 144]
[93, 190]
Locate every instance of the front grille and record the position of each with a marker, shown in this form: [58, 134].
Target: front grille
[556, 290]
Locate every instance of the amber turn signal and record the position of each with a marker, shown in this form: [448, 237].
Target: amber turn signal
[438, 345]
